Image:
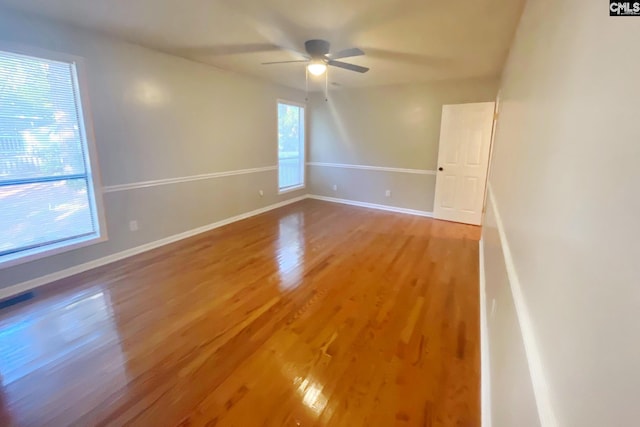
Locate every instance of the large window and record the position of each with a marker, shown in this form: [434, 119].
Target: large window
[290, 146]
[47, 197]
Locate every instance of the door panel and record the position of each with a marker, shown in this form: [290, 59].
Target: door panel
[474, 153]
[465, 140]
[449, 191]
[470, 192]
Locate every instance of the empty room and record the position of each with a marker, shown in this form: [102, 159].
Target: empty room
[319, 213]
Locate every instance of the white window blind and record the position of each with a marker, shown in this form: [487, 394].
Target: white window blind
[291, 138]
[47, 197]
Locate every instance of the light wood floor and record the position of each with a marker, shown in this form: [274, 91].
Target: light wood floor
[315, 314]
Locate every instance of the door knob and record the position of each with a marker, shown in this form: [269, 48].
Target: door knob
[440, 169]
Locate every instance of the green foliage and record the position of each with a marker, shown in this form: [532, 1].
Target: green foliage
[290, 129]
[39, 129]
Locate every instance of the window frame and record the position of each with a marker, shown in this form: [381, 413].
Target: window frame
[94, 187]
[302, 148]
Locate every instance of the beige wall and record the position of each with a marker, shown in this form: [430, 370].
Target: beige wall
[393, 126]
[566, 154]
[157, 116]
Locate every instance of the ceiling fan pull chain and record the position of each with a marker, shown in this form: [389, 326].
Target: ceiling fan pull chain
[306, 83]
[326, 85]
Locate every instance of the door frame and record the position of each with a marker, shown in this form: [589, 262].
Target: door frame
[496, 116]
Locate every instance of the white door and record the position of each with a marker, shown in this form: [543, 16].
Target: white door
[463, 161]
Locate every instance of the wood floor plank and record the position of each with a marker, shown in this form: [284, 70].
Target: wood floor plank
[315, 314]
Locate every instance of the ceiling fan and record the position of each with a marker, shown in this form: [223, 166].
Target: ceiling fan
[319, 58]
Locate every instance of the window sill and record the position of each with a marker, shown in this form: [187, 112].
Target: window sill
[290, 189]
[22, 257]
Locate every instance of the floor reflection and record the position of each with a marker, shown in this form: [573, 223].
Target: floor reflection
[68, 346]
[312, 396]
[290, 250]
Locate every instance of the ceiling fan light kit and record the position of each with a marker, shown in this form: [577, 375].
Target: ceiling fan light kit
[317, 68]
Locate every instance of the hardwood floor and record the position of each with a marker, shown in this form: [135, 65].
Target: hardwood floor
[315, 314]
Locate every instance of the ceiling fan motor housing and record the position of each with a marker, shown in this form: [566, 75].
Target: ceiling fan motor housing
[317, 49]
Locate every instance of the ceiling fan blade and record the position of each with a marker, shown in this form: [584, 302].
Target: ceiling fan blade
[230, 49]
[273, 24]
[410, 58]
[347, 53]
[346, 66]
[284, 62]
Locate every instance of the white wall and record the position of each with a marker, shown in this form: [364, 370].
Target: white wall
[157, 116]
[384, 127]
[511, 401]
[566, 183]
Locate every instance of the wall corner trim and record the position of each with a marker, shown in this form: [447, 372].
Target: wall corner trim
[485, 364]
[536, 369]
[71, 271]
[372, 206]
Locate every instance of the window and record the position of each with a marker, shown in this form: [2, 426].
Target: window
[48, 201]
[290, 146]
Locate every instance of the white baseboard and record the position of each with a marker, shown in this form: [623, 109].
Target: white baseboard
[43, 280]
[485, 365]
[372, 206]
[536, 369]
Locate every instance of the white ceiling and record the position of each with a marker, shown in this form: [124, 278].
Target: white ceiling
[404, 40]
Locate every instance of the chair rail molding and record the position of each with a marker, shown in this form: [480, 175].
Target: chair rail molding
[189, 178]
[373, 168]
